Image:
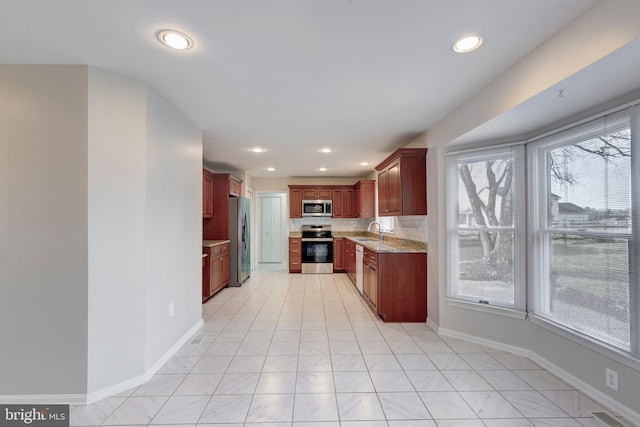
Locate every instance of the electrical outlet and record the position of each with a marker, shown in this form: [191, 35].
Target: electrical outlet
[172, 312]
[611, 379]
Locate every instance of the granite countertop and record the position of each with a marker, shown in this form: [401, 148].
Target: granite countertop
[211, 243]
[371, 242]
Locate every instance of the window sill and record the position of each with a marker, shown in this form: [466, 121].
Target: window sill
[492, 309]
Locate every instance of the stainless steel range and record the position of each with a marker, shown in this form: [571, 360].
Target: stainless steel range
[317, 249]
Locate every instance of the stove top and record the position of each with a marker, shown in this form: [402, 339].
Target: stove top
[316, 231]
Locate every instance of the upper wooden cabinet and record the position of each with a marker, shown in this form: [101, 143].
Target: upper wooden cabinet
[207, 194]
[364, 199]
[224, 186]
[348, 201]
[402, 183]
[316, 193]
[295, 203]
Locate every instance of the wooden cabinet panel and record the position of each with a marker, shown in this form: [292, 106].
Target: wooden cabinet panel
[207, 194]
[217, 227]
[338, 255]
[370, 279]
[337, 199]
[402, 287]
[402, 183]
[309, 194]
[350, 259]
[206, 279]
[295, 203]
[224, 265]
[295, 255]
[365, 199]
[324, 194]
[349, 200]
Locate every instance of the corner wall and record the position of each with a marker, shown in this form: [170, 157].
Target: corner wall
[43, 224]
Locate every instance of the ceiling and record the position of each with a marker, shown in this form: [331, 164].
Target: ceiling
[361, 76]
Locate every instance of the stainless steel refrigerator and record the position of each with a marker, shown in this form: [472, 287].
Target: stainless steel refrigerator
[240, 237]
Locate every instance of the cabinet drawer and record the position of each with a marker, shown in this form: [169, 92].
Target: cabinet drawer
[215, 250]
[370, 256]
[224, 248]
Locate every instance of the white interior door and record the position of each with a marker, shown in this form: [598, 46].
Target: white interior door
[271, 228]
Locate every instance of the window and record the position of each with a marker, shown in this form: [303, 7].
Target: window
[485, 227]
[584, 276]
[386, 223]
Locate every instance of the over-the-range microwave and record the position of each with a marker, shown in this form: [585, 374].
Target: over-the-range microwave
[316, 208]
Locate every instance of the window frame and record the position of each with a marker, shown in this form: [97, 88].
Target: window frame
[539, 231]
[453, 159]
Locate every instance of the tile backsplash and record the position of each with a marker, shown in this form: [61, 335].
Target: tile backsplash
[406, 227]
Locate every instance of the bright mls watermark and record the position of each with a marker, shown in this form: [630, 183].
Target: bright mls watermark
[34, 415]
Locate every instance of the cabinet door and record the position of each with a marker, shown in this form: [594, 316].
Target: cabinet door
[337, 199]
[383, 190]
[373, 285]
[394, 205]
[348, 210]
[338, 255]
[324, 193]
[214, 273]
[206, 278]
[295, 203]
[366, 199]
[207, 196]
[309, 194]
[224, 270]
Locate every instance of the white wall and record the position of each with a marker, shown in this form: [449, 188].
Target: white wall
[116, 206]
[100, 218]
[173, 226]
[43, 229]
[575, 47]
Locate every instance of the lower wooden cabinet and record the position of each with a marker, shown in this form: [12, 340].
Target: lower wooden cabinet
[401, 287]
[349, 259]
[295, 255]
[338, 255]
[217, 276]
[370, 277]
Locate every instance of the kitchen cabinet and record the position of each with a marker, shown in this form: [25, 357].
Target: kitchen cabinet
[338, 255]
[218, 270]
[207, 194]
[224, 186]
[370, 277]
[316, 193]
[206, 279]
[350, 259]
[337, 202]
[295, 203]
[401, 287]
[364, 199]
[402, 183]
[295, 255]
[348, 201]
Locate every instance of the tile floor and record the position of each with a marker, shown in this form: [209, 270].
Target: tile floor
[305, 351]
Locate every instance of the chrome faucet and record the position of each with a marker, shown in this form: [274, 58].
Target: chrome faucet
[379, 229]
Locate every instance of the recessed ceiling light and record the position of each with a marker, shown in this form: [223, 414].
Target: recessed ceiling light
[326, 150]
[364, 164]
[322, 169]
[467, 44]
[175, 39]
[258, 149]
[271, 169]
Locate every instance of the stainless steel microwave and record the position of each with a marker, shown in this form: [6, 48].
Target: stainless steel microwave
[316, 208]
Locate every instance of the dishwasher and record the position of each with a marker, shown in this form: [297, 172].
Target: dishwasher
[359, 262]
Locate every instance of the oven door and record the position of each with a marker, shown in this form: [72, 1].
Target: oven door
[317, 255]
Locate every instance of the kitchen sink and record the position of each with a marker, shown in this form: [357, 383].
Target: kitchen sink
[366, 240]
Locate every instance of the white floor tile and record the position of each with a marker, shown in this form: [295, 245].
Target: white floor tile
[359, 407]
[226, 409]
[315, 407]
[446, 405]
[403, 406]
[271, 408]
[181, 409]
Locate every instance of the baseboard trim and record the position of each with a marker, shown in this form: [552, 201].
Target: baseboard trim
[141, 379]
[85, 399]
[601, 398]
